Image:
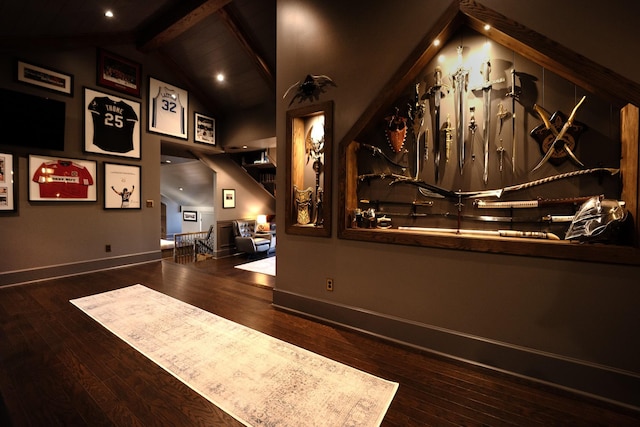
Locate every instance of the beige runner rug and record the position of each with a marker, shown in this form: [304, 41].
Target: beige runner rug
[257, 379]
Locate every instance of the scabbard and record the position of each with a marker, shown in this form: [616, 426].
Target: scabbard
[537, 203]
[473, 232]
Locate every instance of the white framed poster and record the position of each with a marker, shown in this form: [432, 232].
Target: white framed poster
[168, 107]
[62, 180]
[122, 186]
[111, 125]
[7, 202]
[205, 129]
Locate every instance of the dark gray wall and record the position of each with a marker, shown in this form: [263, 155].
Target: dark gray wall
[566, 322]
[58, 238]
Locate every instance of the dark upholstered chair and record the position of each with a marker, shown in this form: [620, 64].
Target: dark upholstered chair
[248, 241]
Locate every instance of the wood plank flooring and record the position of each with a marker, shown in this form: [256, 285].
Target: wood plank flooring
[60, 368]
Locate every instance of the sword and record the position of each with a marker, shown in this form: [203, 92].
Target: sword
[416, 113]
[436, 92]
[460, 80]
[559, 135]
[472, 232]
[513, 95]
[502, 115]
[537, 203]
[545, 219]
[486, 97]
[430, 190]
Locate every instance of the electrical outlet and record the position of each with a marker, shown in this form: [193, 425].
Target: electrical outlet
[329, 284]
[107, 248]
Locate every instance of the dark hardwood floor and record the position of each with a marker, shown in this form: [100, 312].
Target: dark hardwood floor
[59, 367]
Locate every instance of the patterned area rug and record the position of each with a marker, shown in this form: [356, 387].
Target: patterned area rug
[264, 265]
[257, 379]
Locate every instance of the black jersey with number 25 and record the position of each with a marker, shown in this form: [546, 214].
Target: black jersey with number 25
[113, 124]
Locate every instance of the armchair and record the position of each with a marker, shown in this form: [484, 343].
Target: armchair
[247, 240]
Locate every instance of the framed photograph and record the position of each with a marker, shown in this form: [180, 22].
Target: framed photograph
[205, 129]
[7, 190]
[46, 78]
[118, 73]
[111, 125]
[168, 106]
[122, 186]
[191, 216]
[228, 199]
[62, 180]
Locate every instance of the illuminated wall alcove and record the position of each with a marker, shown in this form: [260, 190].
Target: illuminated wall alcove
[547, 75]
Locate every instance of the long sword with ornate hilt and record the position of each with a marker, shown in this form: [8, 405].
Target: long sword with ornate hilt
[514, 95]
[436, 92]
[536, 203]
[558, 142]
[460, 80]
[486, 98]
[430, 190]
[416, 114]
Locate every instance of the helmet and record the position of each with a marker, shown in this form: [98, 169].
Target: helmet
[598, 219]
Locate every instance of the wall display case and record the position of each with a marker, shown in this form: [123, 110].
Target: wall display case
[309, 145]
[495, 140]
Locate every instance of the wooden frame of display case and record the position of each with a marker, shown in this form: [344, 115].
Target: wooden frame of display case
[604, 83]
[299, 124]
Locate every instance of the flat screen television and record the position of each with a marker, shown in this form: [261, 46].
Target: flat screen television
[31, 121]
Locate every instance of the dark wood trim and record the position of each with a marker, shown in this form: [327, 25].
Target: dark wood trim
[549, 54]
[580, 377]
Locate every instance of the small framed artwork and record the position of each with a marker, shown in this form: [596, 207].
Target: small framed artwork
[7, 201]
[122, 186]
[118, 73]
[168, 106]
[228, 199]
[111, 125]
[46, 78]
[190, 216]
[205, 129]
[62, 180]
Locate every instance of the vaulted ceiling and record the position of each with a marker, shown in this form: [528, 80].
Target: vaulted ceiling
[196, 39]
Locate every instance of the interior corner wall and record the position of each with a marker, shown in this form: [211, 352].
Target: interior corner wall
[563, 322]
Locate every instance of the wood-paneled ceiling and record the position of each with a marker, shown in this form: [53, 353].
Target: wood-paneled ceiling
[196, 39]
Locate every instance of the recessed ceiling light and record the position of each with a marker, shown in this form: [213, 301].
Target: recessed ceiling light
[487, 27]
[108, 14]
[180, 188]
[220, 77]
[245, 147]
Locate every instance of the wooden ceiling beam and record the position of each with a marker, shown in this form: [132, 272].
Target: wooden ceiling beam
[175, 22]
[240, 32]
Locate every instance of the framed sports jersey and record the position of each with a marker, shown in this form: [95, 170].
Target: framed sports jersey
[122, 186]
[7, 201]
[61, 180]
[111, 125]
[168, 107]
